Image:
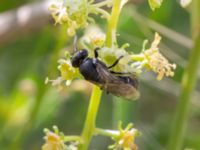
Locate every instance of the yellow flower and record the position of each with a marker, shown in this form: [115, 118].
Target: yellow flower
[156, 61]
[67, 71]
[59, 12]
[94, 36]
[67, 74]
[72, 13]
[126, 138]
[53, 142]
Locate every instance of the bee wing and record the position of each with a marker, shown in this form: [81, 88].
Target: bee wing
[105, 75]
[115, 85]
[122, 89]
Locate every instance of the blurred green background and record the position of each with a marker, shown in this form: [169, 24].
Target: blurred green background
[30, 46]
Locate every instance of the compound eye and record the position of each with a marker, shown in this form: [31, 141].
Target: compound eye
[79, 57]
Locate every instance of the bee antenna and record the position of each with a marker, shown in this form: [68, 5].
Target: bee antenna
[75, 43]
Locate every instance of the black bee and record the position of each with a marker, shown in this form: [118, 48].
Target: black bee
[98, 73]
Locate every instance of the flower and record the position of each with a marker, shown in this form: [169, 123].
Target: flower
[110, 55]
[94, 36]
[73, 13]
[53, 140]
[153, 60]
[58, 12]
[156, 61]
[67, 73]
[56, 140]
[126, 138]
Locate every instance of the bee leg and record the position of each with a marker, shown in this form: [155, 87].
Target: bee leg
[96, 52]
[116, 62]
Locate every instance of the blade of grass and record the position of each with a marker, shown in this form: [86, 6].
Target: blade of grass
[188, 83]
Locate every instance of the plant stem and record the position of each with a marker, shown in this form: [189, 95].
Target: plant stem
[89, 125]
[71, 138]
[112, 24]
[188, 83]
[105, 132]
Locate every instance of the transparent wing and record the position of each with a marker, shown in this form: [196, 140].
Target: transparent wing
[115, 84]
[106, 76]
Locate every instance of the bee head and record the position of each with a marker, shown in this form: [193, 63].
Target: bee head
[78, 57]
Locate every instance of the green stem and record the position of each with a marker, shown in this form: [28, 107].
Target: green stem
[105, 132]
[112, 24]
[188, 83]
[72, 138]
[137, 57]
[91, 118]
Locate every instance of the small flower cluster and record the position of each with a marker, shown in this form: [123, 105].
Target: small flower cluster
[153, 60]
[71, 13]
[93, 37]
[54, 140]
[126, 138]
[67, 73]
[75, 13]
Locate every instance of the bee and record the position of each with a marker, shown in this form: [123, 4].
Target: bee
[95, 71]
